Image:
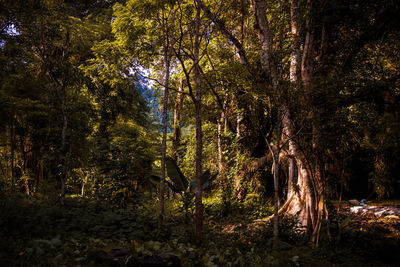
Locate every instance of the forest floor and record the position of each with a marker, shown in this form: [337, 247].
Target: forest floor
[37, 231]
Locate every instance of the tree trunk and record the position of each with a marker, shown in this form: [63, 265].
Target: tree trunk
[83, 188]
[294, 76]
[12, 152]
[304, 200]
[221, 169]
[219, 145]
[291, 179]
[223, 182]
[275, 152]
[276, 197]
[307, 75]
[199, 139]
[239, 189]
[295, 59]
[177, 122]
[307, 200]
[167, 60]
[63, 149]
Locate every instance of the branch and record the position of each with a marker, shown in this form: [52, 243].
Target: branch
[239, 46]
[163, 85]
[178, 56]
[219, 101]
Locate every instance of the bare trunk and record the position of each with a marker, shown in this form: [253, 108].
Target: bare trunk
[304, 200]
[238, 120]
[84, 181]
[294, 77]
[295, 59]
[239, 190]
[63, 150]
[265, 38]
[275, 156]
[164, 138]
[291, 179]
[307, 63]
[223, 182]
[276, 197]
[83, 188]
[12, 144]
[177, 122]
[219, 144]
[307, 75]
[308, 199]
[199, 139]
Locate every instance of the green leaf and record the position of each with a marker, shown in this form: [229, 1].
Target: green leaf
[174, 173]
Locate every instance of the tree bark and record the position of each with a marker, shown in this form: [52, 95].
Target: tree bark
[167, 61]
[275, 152]
[296, 54]
[63, 148]
[276, 198]
[199, 139]
[164, 144]
[83, 188]
[294, 76]
[12, 148]
[177, 122]
[304, 200]
[291, 179]
[219, 143]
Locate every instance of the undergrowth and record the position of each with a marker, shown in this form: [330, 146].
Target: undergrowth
[37, 231]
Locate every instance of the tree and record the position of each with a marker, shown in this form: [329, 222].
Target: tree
[67, 106]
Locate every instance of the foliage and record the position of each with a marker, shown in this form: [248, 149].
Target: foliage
[181, 185]
[34, 231]
[79, 87]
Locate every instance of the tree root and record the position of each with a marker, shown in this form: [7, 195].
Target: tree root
[281, 211]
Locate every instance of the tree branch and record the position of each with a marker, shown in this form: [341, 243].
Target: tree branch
[162, 84]
[239, 46]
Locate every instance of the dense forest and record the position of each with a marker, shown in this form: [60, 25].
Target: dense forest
[199, 133]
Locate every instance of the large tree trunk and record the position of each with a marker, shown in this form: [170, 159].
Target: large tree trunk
[294, 78]
[306, 201]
